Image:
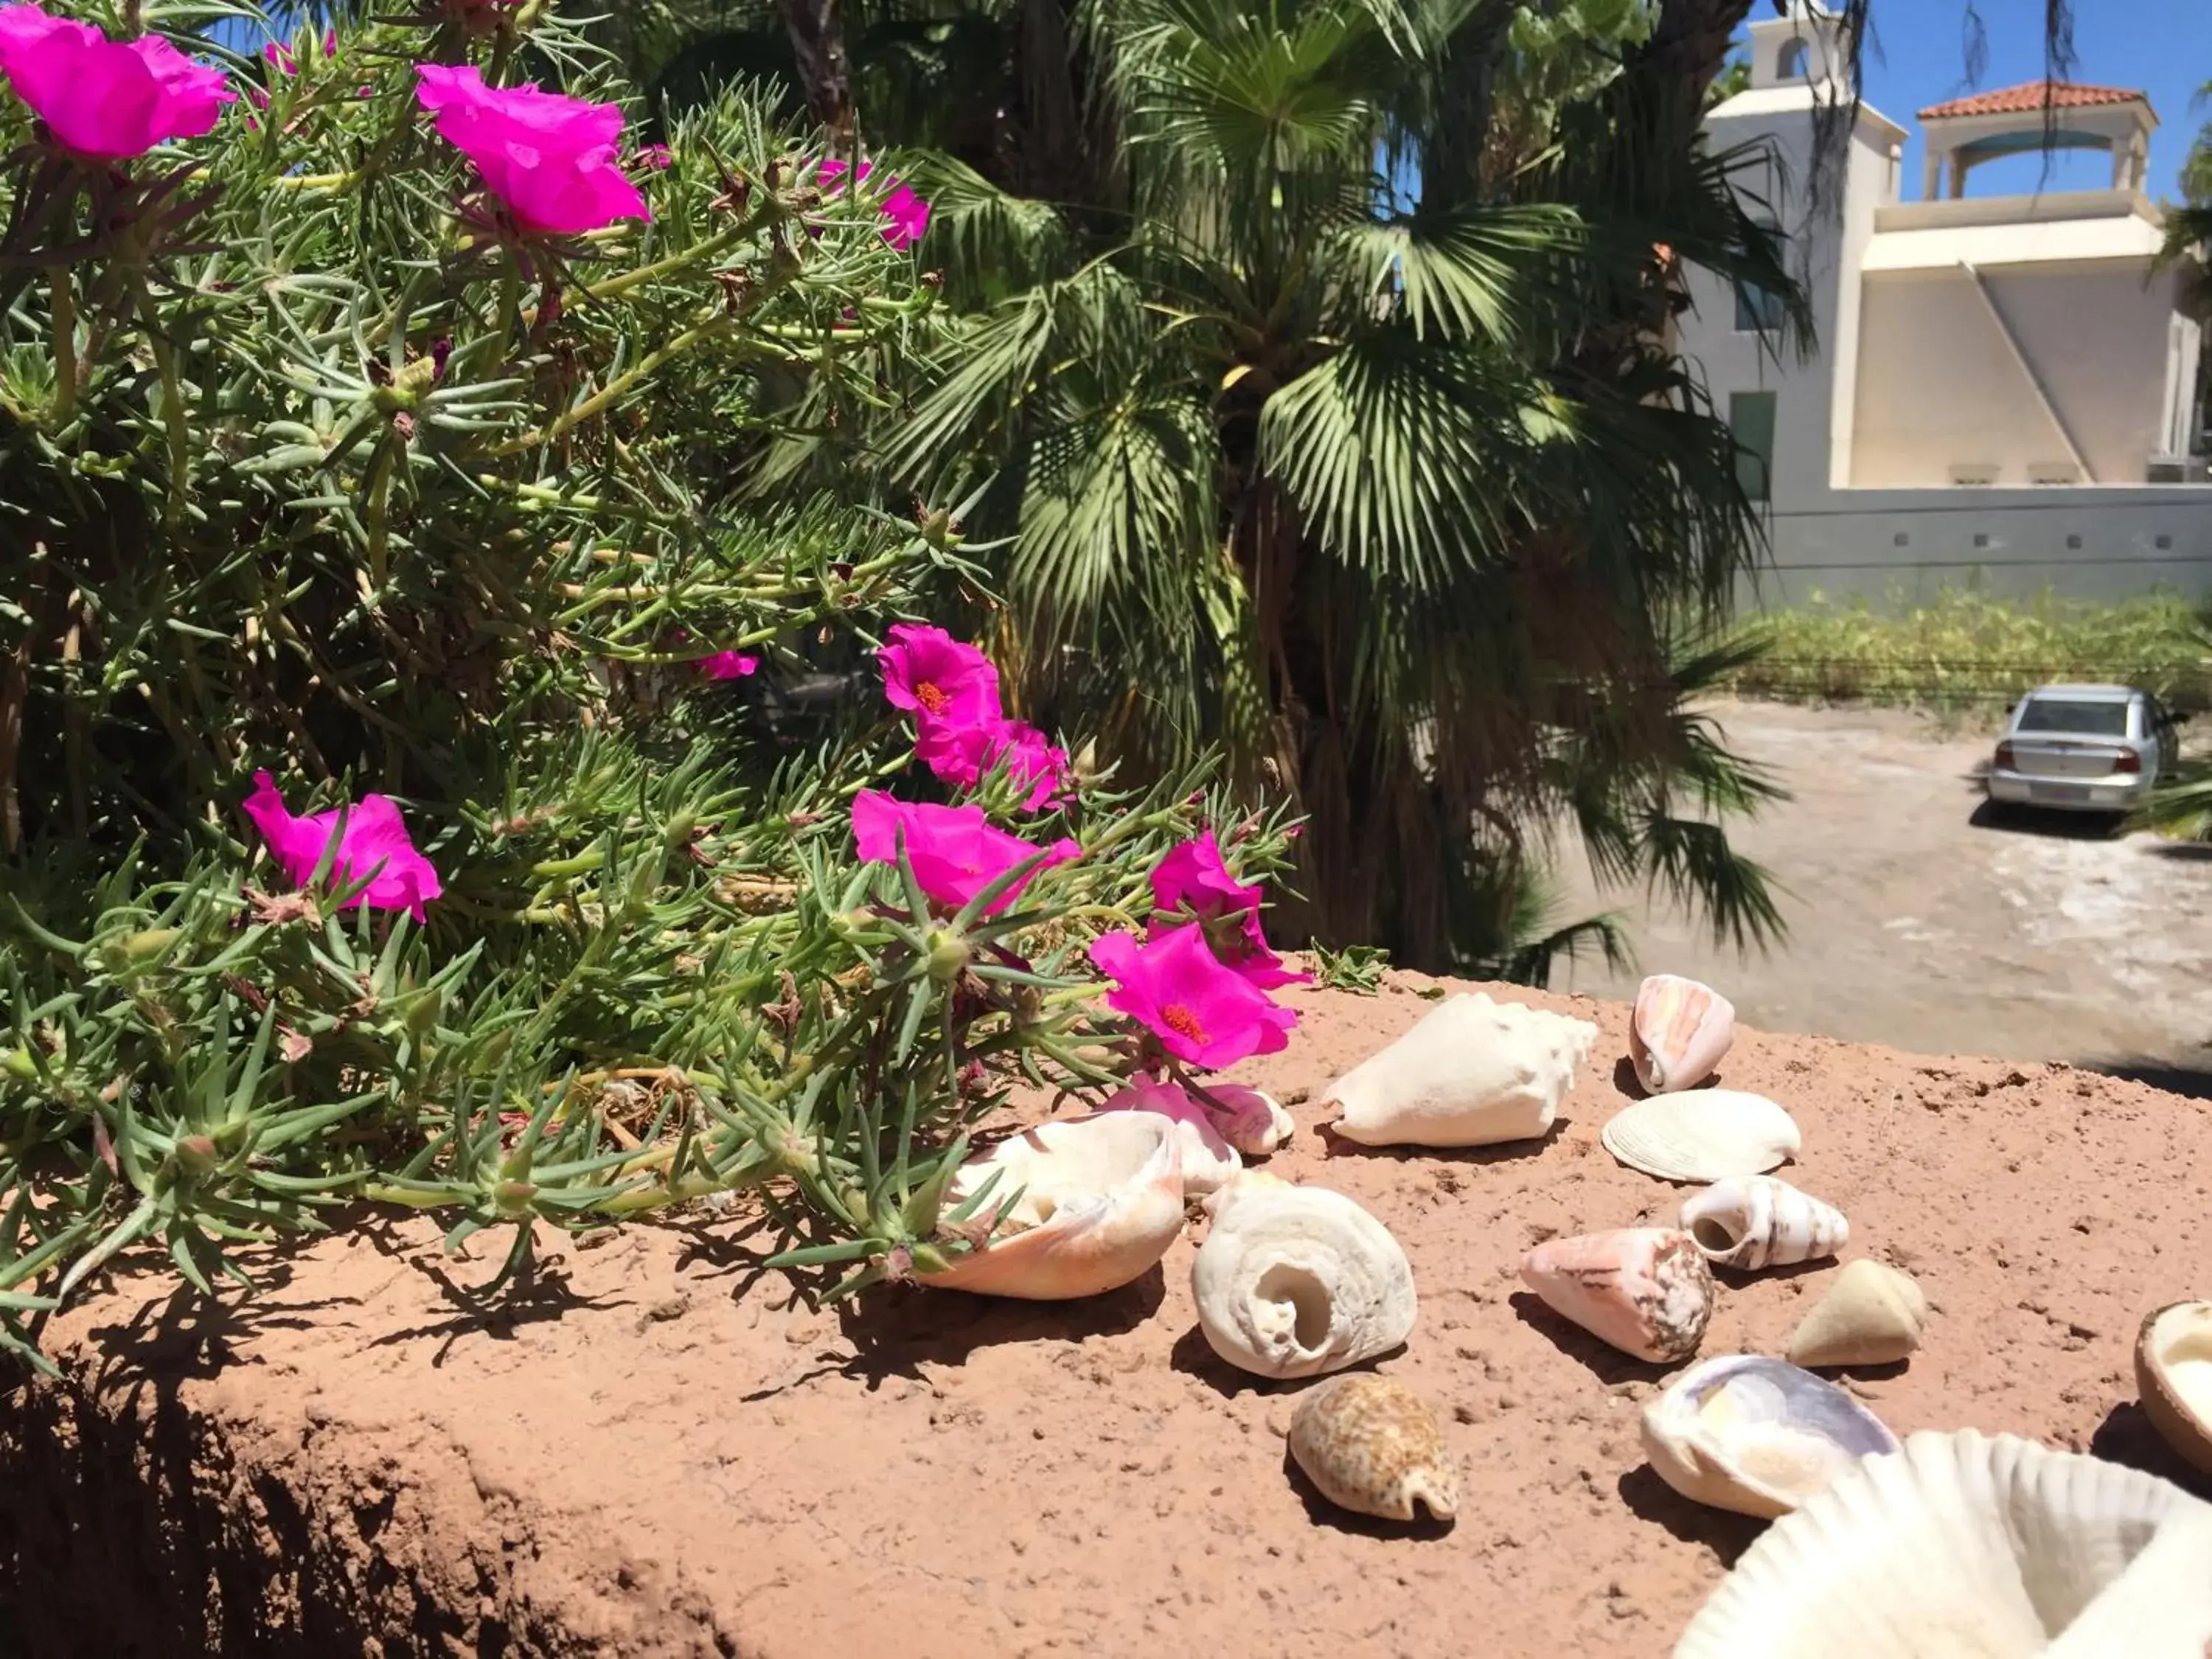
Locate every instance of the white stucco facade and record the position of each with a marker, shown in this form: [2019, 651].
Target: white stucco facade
[2001, 389]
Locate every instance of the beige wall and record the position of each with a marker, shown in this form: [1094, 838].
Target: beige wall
[1937, 384]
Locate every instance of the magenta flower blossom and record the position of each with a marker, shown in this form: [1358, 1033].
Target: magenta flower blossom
[907, 215]
[1193, 879]
[955, 853]
[106, 99]
[961, 755]
[1202, 1012]
[373, 847]
[729, 666]
[555, 160]
[945, 682]
[658, 157]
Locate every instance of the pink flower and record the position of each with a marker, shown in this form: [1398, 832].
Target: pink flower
[1193, 877]
[946, 684]
[106, 100]
[729, 666]
[657, 156]
[373, 847]
[553, 159]
[1202, 1012]
[961, 755]
[909, 215]
[956, 854]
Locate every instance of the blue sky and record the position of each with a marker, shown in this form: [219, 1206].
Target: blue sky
[2162, 46]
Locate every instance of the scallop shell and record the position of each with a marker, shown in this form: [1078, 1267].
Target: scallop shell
[1709, 1134]
[1871, 1315]
[1251, 1121]
[1762, 1221]
[1645, 1290]
[2173, 1378]
[1372, 1445]
[1471, 1072]
[1754, 1435]
[1084, 1206]
[1967, 1547]
[1208, 1161]
[1678, 1033]
[1292, 1281]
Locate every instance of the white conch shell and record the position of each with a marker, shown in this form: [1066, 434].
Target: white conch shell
[1208, 1160]
[1678, 1033]
[1762, 1221]
[1967, 1548]
[2173, 1378]
[1470, 1072]
[1707, 1134]
[1370, 1443]
[1754, 1435]
[1255, 1123]
[1100, 1200]
[1872, 1315]
[1296, 1280]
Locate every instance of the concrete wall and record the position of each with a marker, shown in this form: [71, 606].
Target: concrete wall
[1938, 385]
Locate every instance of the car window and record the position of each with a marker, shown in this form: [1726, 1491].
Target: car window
[2076, 718]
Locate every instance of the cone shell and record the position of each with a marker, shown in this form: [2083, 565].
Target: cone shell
[1967, 1548]
[1255, 1123]
[1708, 1134]
[1645, 1290]
[1471, 1073]
[2174, 1378]
[1292, 1281]
[1372, 1445]
[1871, 1315]
[1678, 1033]
[1100, 1200]
[1208, 1161]
[1754, 1435]
[1762, 1221]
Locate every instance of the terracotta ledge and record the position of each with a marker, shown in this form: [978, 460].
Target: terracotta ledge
[656, 1455]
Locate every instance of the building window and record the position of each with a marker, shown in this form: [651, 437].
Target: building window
[1751, 417]
[1758, 310]
[1790, 66]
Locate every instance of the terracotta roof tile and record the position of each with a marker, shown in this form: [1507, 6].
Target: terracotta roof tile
[2028, 96]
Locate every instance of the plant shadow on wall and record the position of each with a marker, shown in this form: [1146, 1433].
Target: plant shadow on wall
[436, 773]
[1391, 490]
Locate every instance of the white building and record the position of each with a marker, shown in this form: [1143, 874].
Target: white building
[2001, 384]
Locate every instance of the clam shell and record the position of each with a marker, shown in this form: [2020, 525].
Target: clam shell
[1208, 1160]
[1471, 1073]
[1871, 1315]
[1645, 1290]
[1762, 1221]
[1100, 1200]
[1292, 1281]
[1372, 1445]
[1254, 1123]
[1709, 1134]
[1678, 1033]
[1967, 1548]
[2173, 1378]
[1755, 1435]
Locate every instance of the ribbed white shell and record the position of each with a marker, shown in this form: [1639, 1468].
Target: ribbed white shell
[1703, 1135]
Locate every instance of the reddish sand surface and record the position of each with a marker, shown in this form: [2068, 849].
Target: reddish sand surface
[659, 1453]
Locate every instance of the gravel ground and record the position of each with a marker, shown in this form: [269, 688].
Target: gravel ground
[1917, 920]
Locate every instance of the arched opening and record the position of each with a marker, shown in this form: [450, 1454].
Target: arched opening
[1790, 66]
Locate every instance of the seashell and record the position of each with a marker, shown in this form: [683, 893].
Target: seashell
[1678, 1033]
[1964, 1547]
[2173, 1378]
[1251, 1121]
[1754, 1435]
[1207, 1159]
[1292, 1281]
[1083, 1206]
[1471, 1072]
[1762, 1221]
[1372, 1445]
[1872, 1315]
[1709, 1134]
[1645, 1290]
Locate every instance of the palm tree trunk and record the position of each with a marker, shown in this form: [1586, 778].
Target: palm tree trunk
[818, 41]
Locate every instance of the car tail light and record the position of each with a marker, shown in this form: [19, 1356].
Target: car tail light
[2006, 761]
[2128, 761]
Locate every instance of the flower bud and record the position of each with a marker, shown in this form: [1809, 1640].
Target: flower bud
[949, 955]
[514, 1197]
[197, 1153]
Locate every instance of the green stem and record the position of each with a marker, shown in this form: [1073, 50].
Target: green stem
[65, 368]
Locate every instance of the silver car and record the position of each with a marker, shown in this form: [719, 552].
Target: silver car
[2084, 748]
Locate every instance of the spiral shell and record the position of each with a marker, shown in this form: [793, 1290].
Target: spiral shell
[1679, 1033]
[1253, 1122]
[1471, 1072]
[1292, 1281]
[1372, 1445]
[1762, 1221]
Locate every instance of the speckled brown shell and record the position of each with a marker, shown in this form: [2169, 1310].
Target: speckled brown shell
[1373, 1445]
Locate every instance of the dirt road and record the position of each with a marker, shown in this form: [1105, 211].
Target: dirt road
[1916, 921]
